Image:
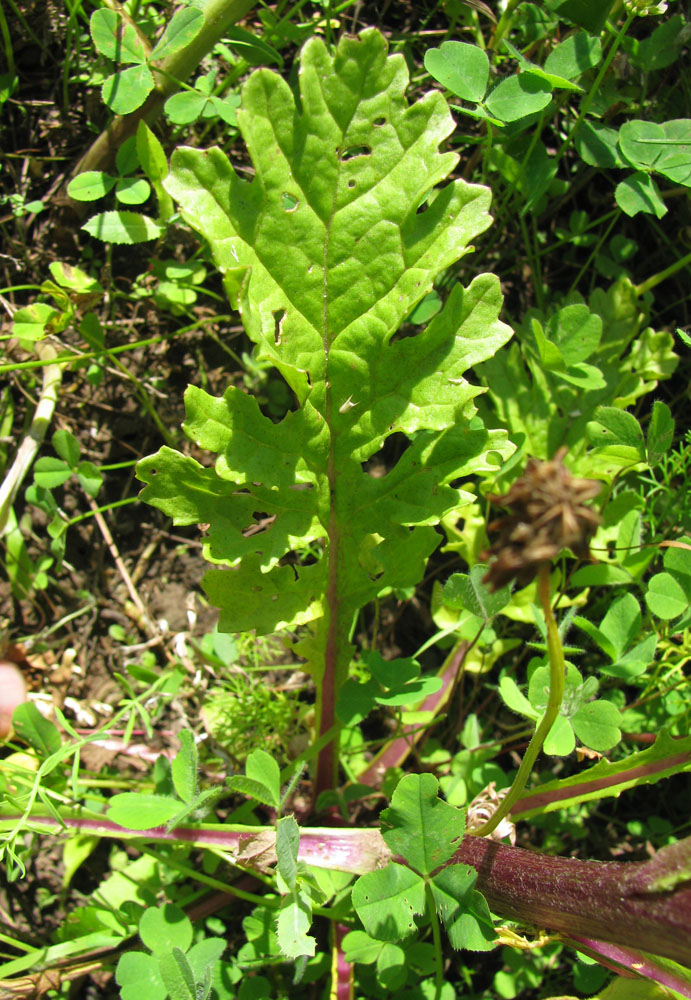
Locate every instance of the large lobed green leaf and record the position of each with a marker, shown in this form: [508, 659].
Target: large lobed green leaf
[326, 251]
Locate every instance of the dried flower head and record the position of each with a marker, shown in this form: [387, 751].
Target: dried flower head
[547, 514]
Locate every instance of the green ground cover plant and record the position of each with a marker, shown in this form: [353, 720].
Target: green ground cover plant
[387, 444]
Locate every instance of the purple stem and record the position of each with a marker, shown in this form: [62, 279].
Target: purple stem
[537, 801]
[640, 905]
[395, 752]
[342, 971]
[619, 902]
[621, 960]
[325, 777]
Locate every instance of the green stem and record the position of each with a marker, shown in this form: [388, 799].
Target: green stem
[195, 875]
[504, 24]
[145, 401]
[655, 279]
[436, 941]
[219, 15]
[513, 187]
[107, 352]
[556, 693]
[596, 249]
[99, 510]
[17, 823]
[533, 262]
[585, 106]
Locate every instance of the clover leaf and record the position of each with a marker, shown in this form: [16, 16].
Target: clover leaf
[425, 831]
[595, 723]
[615, 637]
[175, 968]
[669, 593]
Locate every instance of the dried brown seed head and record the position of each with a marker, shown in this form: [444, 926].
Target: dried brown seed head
[547, 513]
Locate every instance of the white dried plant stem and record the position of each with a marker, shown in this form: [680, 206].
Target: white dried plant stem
[28, 449]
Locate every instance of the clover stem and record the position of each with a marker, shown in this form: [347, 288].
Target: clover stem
[436, 939]
[556, 693]
[595, 88]
[504, 24]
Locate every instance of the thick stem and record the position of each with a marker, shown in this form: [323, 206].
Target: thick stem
[644, 769]
[609, 901]
[327, 760]
[341, 971]
[620, 960]
[556, 693]
[219, 15]
[643, 905]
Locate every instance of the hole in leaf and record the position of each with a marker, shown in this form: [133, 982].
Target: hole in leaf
[352, 151]
[374, 467]
[351, 183]
[381, 120]
[262, 523]
[289, 560]
[279, 315]
[385, 459]
[290, 202]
